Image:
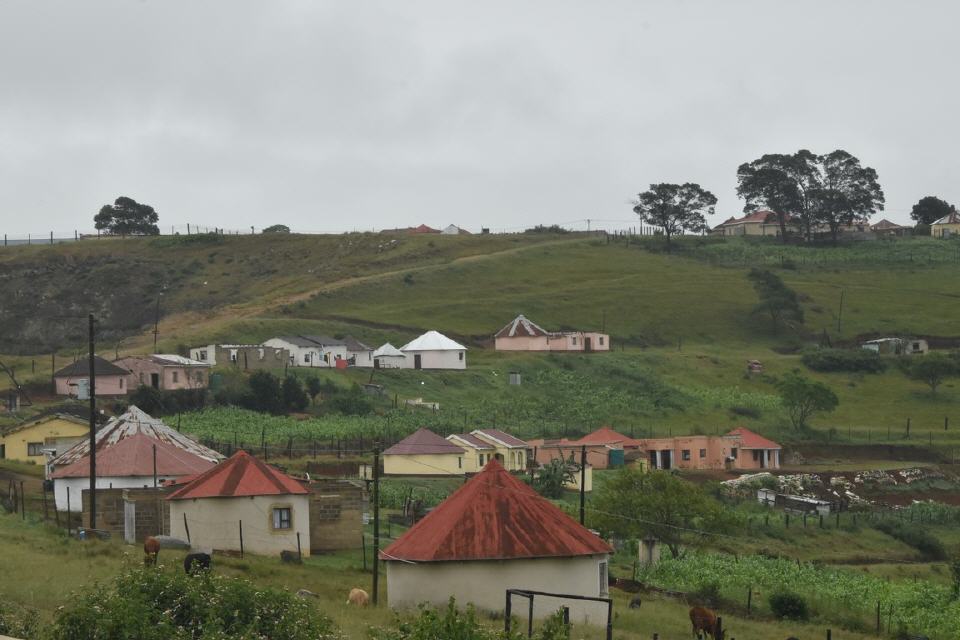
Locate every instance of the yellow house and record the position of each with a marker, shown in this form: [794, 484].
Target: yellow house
[424, 453]
[948, 225]
[477, 452]
[26, 442]
[510, 451]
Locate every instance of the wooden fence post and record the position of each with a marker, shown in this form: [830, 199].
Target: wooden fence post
[241, 538]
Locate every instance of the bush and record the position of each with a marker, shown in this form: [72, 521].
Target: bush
[706, 595]
[21, 623]
[453, 624]
[853, 360]
[789, 606]
[151, 604]
[919, 539]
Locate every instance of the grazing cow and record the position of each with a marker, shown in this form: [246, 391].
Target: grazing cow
[196, 561]
[151, 549]
[635, 602]
[358, 597]
[705, 620]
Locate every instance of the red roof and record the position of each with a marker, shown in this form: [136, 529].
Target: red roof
[424, 229]
[751, 440]
[133, 456]
[240, 475]
[603, 435]
[494, 516]
[423, 442]
[757, 217]
[502, 436]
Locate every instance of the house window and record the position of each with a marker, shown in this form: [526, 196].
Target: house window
[685, 454]
[574, 342]
[703, 453]
[601, 341]
[141, 377]
[233, 355]
[756, 455]
[176, 376]
[306, 357]
[121, 383]
[282, 518]
[604, 580]
[34, 448]
[733, 453]
[459, 462]
[461, 356]
[480, 457]
[202, 355]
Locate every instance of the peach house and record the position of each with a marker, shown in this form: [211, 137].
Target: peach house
[604, 448]
[166, 372]
[522, 334]
[74, 379]
[756, 452]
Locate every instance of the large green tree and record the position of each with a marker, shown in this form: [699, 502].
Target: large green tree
[776, 299]
[802, 398]
[127, 217]
[635, 504]
[930, 209]
[932, 369]
[783, 183]
[847, 192]
[675, 208]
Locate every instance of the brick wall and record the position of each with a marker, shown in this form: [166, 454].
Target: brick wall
[152, 511]
[336, 515]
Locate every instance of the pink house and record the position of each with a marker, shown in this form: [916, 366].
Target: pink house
[74, 379]
[522, 334]
[756, 452]
[165, 372]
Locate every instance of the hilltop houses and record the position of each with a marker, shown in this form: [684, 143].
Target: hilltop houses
[948, 225]
[126, 447]
[74, 379]
[242, 356]
[757, 223]
[310, 351]
[492, 534]
[522, 334]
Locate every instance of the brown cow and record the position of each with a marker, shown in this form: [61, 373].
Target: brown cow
[151, 549]
[358, 597]
[705, 620]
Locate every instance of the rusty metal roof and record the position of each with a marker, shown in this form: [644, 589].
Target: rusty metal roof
[494, 516]
[240, 476]
[131, 423]
[133, 456]
[521, 326]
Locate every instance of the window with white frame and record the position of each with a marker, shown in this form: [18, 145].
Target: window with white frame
[34, 448]
[604, 581]
[282, 518]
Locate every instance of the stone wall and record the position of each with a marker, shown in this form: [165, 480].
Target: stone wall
[336, 515]
[152, 511]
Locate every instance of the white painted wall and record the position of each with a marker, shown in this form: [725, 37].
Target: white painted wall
[215, 523]
[484, 583]
[437, 359]
[110, 482]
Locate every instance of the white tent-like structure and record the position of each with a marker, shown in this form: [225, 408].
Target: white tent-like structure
[433, 350]
[389, 357]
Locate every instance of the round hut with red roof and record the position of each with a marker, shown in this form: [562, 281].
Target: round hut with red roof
[496, 533]
[273, 507]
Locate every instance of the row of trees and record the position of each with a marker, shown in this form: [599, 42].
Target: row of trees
[805, 191]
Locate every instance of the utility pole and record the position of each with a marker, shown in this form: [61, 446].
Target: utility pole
[376, 523]
[840, 315]
[583, 482]
[156, 323]
[93, 431]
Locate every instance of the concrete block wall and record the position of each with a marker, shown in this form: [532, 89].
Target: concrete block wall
[336, 515]
[152, 511]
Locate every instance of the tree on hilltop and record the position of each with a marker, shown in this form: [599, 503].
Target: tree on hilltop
[675, 208]
[847, 192]
[126, 217]
[930, 209]
[932, 370]
[780, 182]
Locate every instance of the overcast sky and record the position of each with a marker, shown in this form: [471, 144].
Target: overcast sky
[362, 115]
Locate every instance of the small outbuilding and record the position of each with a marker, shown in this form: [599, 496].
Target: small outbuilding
[74, 379]
[389, 357]
[424, 453]
[496, 533]
[242, 494]
[433, 350]
[522, 334]
[756, 452]
[165, 371]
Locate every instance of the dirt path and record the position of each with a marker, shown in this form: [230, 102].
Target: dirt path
[192, 323]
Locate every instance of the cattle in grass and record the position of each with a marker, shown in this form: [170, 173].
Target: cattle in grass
[358, 597]
[196, 562]
[705, 621]
[151, 549]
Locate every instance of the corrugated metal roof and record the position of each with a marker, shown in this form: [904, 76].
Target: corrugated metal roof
[521, 326]
[951, 218]
[751, 440]
[132, 422]
[101, 367]
[502, 436]
[133, 456]
[388, 351]
[424, 442]
[494, 516]
[172, 359]
[240, 476]
[433, 341]
[353, 344]
[473, 441]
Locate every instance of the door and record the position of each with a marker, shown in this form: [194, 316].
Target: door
[587, 344]
[653, 460]
[666, 457]
[416, 361]
[129, 521]
[3, 451]
[155, 380]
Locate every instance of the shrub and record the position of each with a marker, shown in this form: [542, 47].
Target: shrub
[854, 360]
[156, 605]
[919, 539]
[22, 623]
[453, 624]
[787, 605]
[707, 595]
